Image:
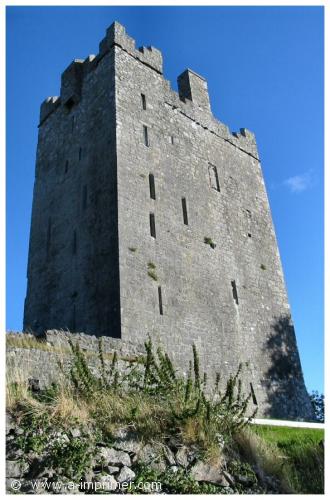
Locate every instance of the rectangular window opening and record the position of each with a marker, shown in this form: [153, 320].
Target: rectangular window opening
[152, 186]
[145, 135]
[172, 139]
[80, 153]
[160, 300]
[234, 288]
[152, 225]
[184, 210]
[214, 179]
[254, 399]
[66, 166]
[84, 200]
[74, 243]
[49, 235]
[144, 101]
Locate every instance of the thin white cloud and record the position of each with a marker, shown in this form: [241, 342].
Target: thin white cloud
[299, 183]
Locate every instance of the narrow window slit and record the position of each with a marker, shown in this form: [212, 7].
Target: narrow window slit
[254, 399]
[80, 153]
[144, 101]
[214, 179]
[49, 235]
[234, 288]
[152, 225]
[146, 136]
[152, 186]
[66, 166]
[160, 300]
[74, 243]
[184, 210]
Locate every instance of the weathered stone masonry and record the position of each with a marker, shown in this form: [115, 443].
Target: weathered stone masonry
[151, 217]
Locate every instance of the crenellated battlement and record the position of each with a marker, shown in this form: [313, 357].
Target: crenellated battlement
[116, 35]
[192, 98]
[48, 106]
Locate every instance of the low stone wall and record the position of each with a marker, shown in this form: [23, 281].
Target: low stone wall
[51, 360]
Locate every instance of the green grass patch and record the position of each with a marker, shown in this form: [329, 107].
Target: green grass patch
[302, 453]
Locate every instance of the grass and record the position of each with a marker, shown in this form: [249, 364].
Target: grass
[293, 455]
[25, 341]
[157, 404]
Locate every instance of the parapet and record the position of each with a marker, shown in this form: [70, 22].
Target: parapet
[71, 83]
[48, 106]
[194, 87]
[116, 35]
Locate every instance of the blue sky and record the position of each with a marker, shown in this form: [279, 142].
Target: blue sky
[264, 67]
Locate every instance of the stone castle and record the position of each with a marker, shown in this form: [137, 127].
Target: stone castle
[151, 218]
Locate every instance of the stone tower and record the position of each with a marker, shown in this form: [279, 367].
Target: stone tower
[151, 217]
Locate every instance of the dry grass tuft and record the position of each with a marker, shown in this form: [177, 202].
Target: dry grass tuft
[266, 457]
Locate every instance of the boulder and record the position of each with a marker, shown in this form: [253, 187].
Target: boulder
[125, 475]
[15, 468]
[184, 456]
[126, 440]
[111, 469]
[208, 473]
[108, 483]
[115, 457]
[153, 455]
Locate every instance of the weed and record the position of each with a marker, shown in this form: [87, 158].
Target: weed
[209, 241]
[152, 275]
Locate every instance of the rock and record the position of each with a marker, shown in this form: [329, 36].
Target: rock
[111, 470]
[108, 483]
[10, 424]
[75, 433]
[174, 468]
[184, 456]
[152, 455]
[169, 455]
[115, 457]
[125, 475]
[88, 476]
[19, 431]
[221, 441]
[15, 468]
[208, 473]
[229, 478]
[126, 440]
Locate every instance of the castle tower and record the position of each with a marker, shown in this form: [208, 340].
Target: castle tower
[151, 217]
